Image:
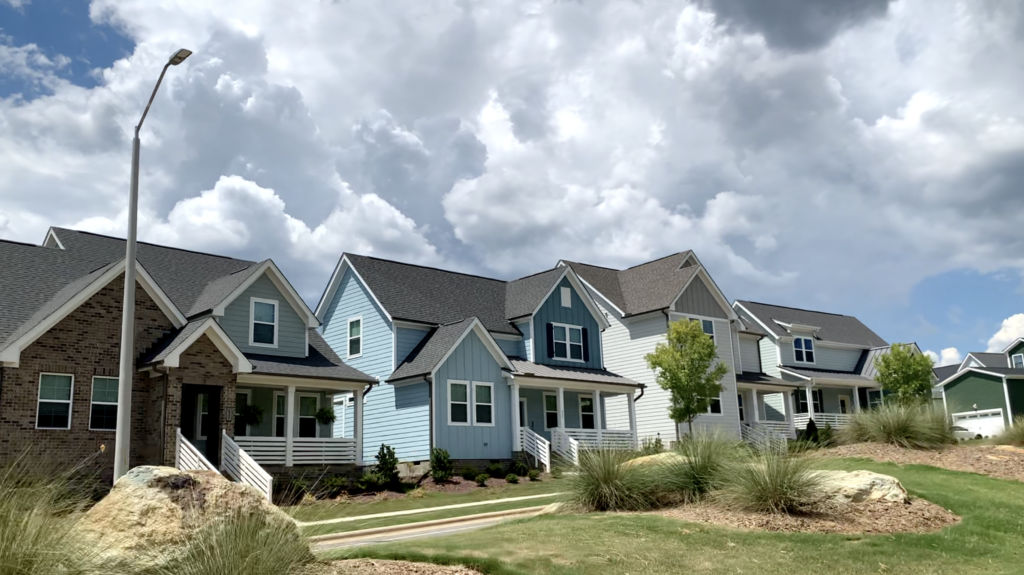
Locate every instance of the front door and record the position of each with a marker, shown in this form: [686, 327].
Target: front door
[200, 418]
[522, 412]
[844, 404]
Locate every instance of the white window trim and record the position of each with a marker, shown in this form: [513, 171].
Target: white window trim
[468, 403]
[721, 405]
[252, 320]
[1016, 355]
[701, 321]
[248, 401]
[349, 338]
[299, 416]
[814, 350]
[273, 430]
[546, 412]
[579, 406]
[94, 402]
[491, 404]
[567, 327]
[565, 294]
[70, 400]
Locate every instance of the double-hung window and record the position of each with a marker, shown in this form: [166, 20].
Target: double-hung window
[715, 407]
[54, 408]
[103, 409]
[550, 411]
[1017, 360]
[707, 326]
[803, 349]
[263, 322]
[458, 403]
[355, 337]
[586, 412]
[483, 403]
[280, 404]
[308, 406]
[801, 400]
[567, 342]
[470, 403]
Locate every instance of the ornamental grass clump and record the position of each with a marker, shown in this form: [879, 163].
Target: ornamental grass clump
[1013, 435]
[606, 482]
[913, 427]
[772, 482]
[700, 462]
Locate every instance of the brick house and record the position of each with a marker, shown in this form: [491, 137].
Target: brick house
[228, 355]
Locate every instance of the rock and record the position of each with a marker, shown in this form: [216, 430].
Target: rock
[857, 486]
[148, 517]
[658, 458]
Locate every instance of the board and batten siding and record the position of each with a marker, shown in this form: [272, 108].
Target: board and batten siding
[824, 357]
[750, 358]
[769, 357]
[511, 348]
[291, 329]
[353, 300]
[551, 311]
[976, 389]
[406, 340]
[471, 361]
[697, 300]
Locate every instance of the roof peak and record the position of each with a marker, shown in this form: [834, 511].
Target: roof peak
[166, 247]
[423, 267]
[743, 301]
[673, 254]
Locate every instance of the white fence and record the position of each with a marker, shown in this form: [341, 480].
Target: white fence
[779, 427]
[764, 438]
[187, 457]
[305, 450]
[835, 420]
[605, 439]
[537, 446]
[565, 446]
[240, 467]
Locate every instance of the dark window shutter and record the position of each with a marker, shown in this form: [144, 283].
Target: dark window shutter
[586, 346]
[551, 340]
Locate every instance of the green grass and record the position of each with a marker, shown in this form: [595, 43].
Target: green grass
[987, 540]
[332, 509]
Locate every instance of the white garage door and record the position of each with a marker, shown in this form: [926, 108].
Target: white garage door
[986, 423]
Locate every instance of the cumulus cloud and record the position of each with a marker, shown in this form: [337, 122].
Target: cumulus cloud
[948, 356]
[1011, 328]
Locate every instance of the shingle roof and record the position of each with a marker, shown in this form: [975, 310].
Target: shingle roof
[761, 378]
[990, 359]
[524, 295]
[650, 286]
[528, 368]
[165, 345]
[321, 363]
[828, 374]
[431, 350]
[834, 327]
[945, 371]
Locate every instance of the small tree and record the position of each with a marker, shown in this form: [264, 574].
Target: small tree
[688, 368]
[905, 375]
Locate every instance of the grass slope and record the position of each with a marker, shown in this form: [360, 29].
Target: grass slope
[988, 539]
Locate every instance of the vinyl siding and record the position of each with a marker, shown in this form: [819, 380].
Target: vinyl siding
[824, 357]
[551, 311]
[511, 348]
[772, 406]
[406, 339]
[471, 361]
[352, 300]
[398, 416]
[769, 357]
[697, 300]
[527, 343]
[291, 329]
[972, 389]
[749, 355]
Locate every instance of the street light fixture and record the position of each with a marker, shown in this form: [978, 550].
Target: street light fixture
[122, 437]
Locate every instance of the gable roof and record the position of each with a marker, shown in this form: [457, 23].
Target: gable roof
[320, 363]
[830, 326]
[986, 359]
[524, 295]
[943, 372]
[526, 368]
[435, 348]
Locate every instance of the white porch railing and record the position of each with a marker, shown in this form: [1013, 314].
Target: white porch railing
[606, 439]
[764, 438]
[537, 446]
[779, 427]
[835, 420]
[187, 457]
[240, 467]
[305, 450]
[564, 445]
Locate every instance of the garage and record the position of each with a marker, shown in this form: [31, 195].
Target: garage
[986, 422]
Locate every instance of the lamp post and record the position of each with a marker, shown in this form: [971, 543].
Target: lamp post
[122, 437]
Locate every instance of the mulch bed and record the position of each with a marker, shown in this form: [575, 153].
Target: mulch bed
[1002, 461]
[383, 567]
[873, 517]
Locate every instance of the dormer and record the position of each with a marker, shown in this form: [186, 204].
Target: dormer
[1015, 354]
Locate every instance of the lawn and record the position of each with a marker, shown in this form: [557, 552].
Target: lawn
[366, 506]
[987, 540]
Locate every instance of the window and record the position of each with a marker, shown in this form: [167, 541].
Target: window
[803, 349]
[1017, 360]
[103, 410]
[586, 412]
[567, 341]
[801, 400]
[54, 409]
[355, 337]
[279, 410]
[708, 326]
[874, 398]
[550, 411]
[715, 407]
[458, 403]
[263, 327]
[566, 294]
[483, 404]
[308, 406]
[241, 402]
[739, 405]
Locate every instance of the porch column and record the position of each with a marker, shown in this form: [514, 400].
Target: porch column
[517, 440]
[597, 416]
[790, 407]
[357, 425]
[631, 398]
[856, 399]
[810, 402]
[561, 408]
[289, 423]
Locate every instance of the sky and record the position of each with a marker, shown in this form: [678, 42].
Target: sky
[862, 158]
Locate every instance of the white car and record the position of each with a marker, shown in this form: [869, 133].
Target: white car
[961, 433]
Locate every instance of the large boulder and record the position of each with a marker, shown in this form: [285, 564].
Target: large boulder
[844, 487]
[147, 519]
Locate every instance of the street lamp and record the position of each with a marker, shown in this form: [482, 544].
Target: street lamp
[122, 437]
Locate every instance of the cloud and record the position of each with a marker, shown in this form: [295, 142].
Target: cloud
[948, 356]
[1011, 328]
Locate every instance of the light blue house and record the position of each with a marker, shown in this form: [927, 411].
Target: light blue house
[484, 368]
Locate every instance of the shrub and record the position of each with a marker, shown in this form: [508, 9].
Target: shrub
[1013, 435]
[481, 479]
[698, 469]
[810, 433]
[469, 474]
[441, 468]
[512, 478]
[495, 470]
[606, 483]
[387, 466]
[533, 474]
[911, 427]
[827, 436]
[651, 446]
[371, 481]
[333, 486]
[519, 468]
[774, 482]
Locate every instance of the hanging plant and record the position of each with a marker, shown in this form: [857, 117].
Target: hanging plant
[324, 416]
[251, 415]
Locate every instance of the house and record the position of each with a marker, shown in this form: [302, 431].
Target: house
[228, 358]
[639, 303]
[985, 392]
[827, 359]
[484, 368]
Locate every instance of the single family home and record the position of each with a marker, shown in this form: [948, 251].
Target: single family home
[985, 392]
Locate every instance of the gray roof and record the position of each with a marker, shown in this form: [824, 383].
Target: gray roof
[530, 369]
[643, 288]
[990, 359]
[424, 358]
[524, 295]
[827, 373]
[763, 379]
[833, 327]
[321, 363]
[944, 372]
[164, 346]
